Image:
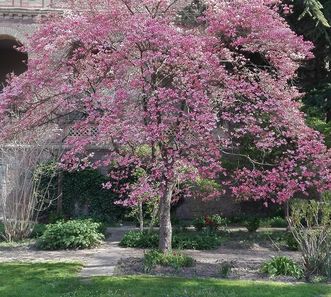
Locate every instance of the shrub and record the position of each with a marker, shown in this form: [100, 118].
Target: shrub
[139, 239]
[38, 230]
[278, 222]
[252, 224]
[171, 259]
[291, 242]
[75, 234]
[275, 222]
[83, 195]
[311, 227]
[199, 223]
[282, 266]
[181, 240]
[225, 269]
[196, 240]
[212, 222]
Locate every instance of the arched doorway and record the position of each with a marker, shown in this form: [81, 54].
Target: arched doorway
[11, 60]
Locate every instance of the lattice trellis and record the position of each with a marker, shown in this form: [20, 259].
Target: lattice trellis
[83, 131]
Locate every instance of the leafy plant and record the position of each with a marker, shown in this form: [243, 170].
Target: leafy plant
[181, 240]
[83, 195]
[212, 222]
[225, 269]
[275, 222]
[199, 223]
[282, 266]
[252, 224]
[139, 239]
[170, 259]
[291, 242]
[74, 234]
[310, 225]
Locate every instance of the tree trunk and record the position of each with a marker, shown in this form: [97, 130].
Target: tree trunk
[141, 217]
[59, 203]
[165, 220]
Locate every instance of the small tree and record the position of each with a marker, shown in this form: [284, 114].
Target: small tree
[173, 98]
[22, 195]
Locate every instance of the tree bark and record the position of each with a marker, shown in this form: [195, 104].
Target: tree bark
[141, 217]
[165, 219]
[59, 203]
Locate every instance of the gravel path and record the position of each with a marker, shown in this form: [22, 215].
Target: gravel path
[104, 259]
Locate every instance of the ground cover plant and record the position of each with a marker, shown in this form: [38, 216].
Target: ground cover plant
[172, 259]
[211, 222]
[282, 266]
[74, 234]
[180, 240]
[60, 280]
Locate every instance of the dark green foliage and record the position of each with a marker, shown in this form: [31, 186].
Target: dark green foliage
[312, 19]
[171, 259]
[252, 224]
[199, 223]
[38, 230]
[75, 234]
[196, 240]
[180, 240]
[274, 222]
[212, 222]
[84, 196]
[2, 231]
[291, 242]
[282, 266]
[139, 239]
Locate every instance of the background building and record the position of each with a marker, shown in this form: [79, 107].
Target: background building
[18, 19]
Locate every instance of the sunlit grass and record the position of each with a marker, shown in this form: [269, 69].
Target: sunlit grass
[61, 280]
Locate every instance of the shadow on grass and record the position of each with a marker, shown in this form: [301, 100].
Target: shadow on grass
[60, 280]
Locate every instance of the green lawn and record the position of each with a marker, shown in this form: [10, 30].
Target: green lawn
[60, 279]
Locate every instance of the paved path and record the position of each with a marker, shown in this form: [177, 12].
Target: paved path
[98, 261]
[103, 260]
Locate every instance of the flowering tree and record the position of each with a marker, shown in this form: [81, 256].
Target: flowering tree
[173, 100]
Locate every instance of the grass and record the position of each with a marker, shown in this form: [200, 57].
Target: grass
[60, 280]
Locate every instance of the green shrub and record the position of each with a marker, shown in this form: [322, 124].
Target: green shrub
[282, 266]
[225, 269]
[75, 234]
[38, 230]
[274, 222]
[291, 242]
[199, 223]
[212, 222]
[84, 196]
[252, 224]
[196, 240]
[2, 231]
[84, 189]
[171, 259]
[278, 222]
[139, 239]
[180, 240]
